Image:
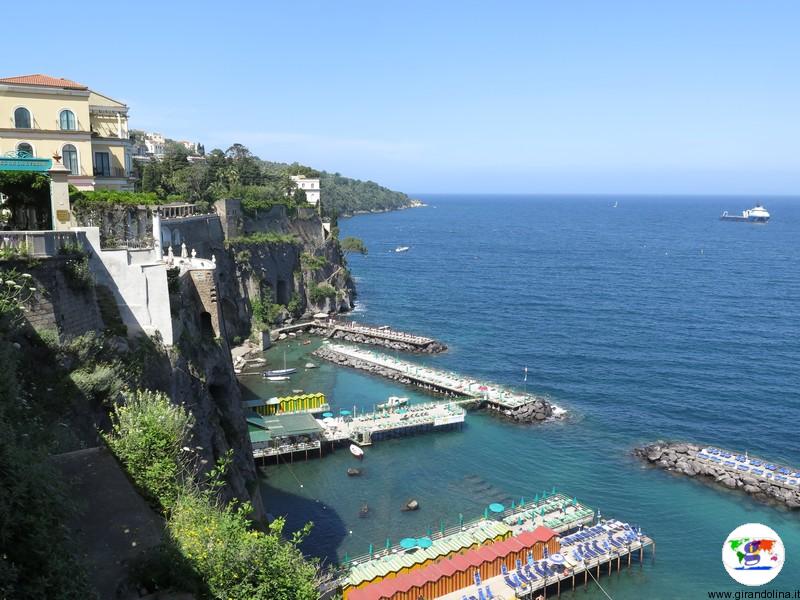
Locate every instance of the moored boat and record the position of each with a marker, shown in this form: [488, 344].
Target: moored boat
[356, 451]
[277, 377]
[393, 402]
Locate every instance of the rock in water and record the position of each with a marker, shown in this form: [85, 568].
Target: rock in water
[411, 505]
[353, 472]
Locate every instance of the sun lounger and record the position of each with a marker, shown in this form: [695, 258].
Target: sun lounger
[489, 593]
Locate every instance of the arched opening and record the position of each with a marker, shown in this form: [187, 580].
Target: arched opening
[66, 120]
[26, 148]
[206, 326]
[22, 118]
[282, 292]
[70, 158]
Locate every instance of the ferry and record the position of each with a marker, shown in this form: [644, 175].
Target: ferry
[757, 214]
[401, 249]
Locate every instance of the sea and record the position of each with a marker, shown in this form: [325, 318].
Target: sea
[646, 318]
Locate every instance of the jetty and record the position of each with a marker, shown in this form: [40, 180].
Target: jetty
[532, 548]
[761, 478]
[300, 435]
[504, 401]
[351, 331]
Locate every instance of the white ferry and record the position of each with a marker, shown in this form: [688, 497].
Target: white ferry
[757, 214]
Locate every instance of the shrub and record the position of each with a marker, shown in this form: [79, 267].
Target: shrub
[261, 237]
[77, 272]
[265, 312]
[310, 262]
[148, 433]
[111, 197]
[353, 244]
[318, 293]
[235, 561]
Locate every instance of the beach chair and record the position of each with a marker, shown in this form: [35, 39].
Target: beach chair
[489, 593]
[507, 578]
[481, 595]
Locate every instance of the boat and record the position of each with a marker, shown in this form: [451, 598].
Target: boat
[393, 402]
[280, 372]
[310, 365]
[402, 249]
[757, 214]
[616, 204]
[356, 451]
[277, 377]
[364, 512]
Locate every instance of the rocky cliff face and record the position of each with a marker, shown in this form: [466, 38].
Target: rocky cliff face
[307, 275]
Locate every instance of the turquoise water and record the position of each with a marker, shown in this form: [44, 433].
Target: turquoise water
[652, 320]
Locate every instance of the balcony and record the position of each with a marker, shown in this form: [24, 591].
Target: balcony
[116, 172]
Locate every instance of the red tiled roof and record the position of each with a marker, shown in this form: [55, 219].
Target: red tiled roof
[447, 567]
[44, 80]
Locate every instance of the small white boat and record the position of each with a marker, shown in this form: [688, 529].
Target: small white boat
[401, 249]
[278, 378]
[311, 366]
[393, 402]
[356, 451]
[616, 204]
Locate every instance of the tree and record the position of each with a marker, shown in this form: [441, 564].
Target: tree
[28, 198]
[353, 244]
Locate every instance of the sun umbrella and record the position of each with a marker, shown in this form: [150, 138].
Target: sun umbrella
[327, 415]
[424, 542]
[344, 412]
[408, 543]
[388, 543]
[496, 507]
[486, 513]
[557, 558]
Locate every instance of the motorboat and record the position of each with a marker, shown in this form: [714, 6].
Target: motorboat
[402, 249]
[757, 214]
[393, 402]
[277, 377]
[356, 451]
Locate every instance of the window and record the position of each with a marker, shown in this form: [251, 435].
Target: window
[70, 157]
[22, 118]
[102, 164]
[67, 120]
[25, 147]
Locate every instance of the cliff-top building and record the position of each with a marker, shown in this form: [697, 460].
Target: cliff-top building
[310, 186]
[44, 116]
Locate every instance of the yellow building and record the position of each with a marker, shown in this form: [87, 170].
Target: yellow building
[46, 116]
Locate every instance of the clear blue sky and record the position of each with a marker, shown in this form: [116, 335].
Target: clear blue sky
[658, 96]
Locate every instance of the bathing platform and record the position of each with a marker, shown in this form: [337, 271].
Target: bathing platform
[284, 437]
[493, 396]
[532, 548]
[353, 331]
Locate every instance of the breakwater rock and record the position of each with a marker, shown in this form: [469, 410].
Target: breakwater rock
[431, 347]
[354, 363]
[534, 412]
[723, 468]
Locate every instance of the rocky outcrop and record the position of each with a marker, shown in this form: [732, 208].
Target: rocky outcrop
[532, 412]
[432, 347]
[682, 458]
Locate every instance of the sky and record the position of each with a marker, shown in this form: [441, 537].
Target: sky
[557, 96]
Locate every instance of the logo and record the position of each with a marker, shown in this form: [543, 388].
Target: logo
[753, 554]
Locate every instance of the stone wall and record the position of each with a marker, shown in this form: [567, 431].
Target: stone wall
[58, 305]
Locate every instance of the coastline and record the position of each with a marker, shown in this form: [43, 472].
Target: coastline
[414, 204]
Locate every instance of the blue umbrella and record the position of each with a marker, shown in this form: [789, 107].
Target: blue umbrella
[371, 550]
[477, 577]
[557, 558]
[460, 520]
[408, 543]
[327, 414]
[496, 507]
[512, 505]
[486, 513]
[424, 542]
[344, 412]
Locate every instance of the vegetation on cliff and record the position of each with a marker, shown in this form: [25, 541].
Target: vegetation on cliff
[35, 555]
[214, 548]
